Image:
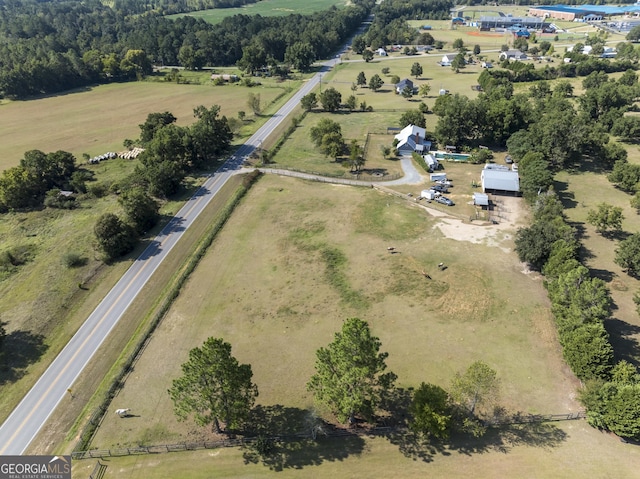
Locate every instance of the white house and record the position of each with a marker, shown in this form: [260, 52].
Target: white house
[411, 139]
[513, 55]
[447, 60]
[499, 179]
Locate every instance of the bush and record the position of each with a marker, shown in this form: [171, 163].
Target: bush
[73, 260]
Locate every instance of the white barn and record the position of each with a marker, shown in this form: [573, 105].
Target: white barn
[500, 180]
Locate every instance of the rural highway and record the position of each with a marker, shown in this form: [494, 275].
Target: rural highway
[39, 404]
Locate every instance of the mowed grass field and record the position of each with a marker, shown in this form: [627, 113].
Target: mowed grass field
[263, 288]
[561, 450]
[265, 8]
[100, 119]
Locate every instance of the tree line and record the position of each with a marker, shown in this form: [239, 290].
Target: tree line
[580, 305]
[171, 153]
[53, 46]
[351, 379]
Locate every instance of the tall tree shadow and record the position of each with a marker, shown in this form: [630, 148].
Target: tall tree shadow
[283, 439]
[624, 339]
[497, 438]
[19, 350]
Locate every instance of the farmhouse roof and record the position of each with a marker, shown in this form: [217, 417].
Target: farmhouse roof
[412, 137]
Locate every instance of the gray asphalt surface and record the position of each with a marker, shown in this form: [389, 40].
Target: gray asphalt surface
[20, 428]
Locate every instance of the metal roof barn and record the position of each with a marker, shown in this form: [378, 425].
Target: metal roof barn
[500, 180]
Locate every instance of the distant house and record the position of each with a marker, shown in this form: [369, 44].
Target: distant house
[403, 84]
[225, 77]
[447, 60]
[381, 52]
[412, 139]
[500, 180]
[513, 55]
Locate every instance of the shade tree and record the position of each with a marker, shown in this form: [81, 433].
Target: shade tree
[214, 387]
[351, 377]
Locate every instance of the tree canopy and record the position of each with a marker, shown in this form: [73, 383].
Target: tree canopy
[214, 387]
[350, 373]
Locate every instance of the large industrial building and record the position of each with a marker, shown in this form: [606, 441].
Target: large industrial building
[528, 23]
[585, 13]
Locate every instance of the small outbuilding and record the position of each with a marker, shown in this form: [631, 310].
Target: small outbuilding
[431, 161]
[481, 199]
[381, 52]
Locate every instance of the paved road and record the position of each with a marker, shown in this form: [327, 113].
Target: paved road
[38, 405]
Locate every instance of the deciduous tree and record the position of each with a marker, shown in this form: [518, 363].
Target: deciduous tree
[309, 101]
[628, 254]
[431, 411]
[115, 237]
[214, 387]
[375, 82]
[606, 217]
[331, 99]
[416, 70]
[476, 387]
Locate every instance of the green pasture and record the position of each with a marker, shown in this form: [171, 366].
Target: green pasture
[266, 8]
[559, 450]
[263, 288]
[99, 119]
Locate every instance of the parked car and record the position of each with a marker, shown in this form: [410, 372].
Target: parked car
[508, 160]
[440, 188]
[445, 201]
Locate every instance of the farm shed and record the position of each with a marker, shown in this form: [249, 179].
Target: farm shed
[500, 180]
[411, 139]
[438, 176]
[481, 199]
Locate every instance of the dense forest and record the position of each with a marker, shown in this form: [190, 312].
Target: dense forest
[48, 46]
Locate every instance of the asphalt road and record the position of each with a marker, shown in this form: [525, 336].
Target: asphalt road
[39, 404]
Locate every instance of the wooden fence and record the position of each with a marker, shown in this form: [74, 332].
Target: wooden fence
[517, 418]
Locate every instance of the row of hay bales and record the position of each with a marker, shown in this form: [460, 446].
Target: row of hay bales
[127, 155]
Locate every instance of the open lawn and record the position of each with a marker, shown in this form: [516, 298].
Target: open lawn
[559, 450]
[266, 8]
[273, 301]
[99, 119]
